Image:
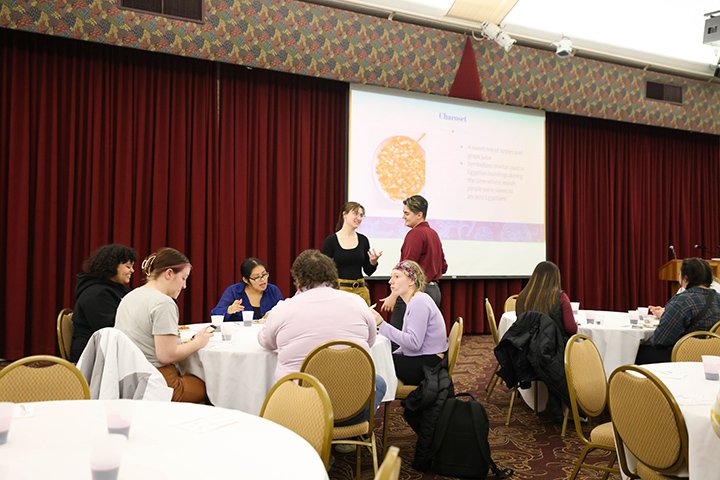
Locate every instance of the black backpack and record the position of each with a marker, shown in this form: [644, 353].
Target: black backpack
[460, 444]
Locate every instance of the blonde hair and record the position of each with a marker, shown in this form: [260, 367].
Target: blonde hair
[414, 272]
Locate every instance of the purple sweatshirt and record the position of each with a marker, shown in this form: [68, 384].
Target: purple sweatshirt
[423, 331]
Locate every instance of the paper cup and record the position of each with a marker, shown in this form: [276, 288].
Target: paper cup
[118, 415]
[217, 320]
[634, 317]
[6, 414]
[247, 317]
[711, 365]
[227, 330]
[644, 311]
[575, 306]
[106, 456]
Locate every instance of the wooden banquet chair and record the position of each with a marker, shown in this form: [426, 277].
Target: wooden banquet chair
[390, 468]
[510, 303]
[402, 392]
[304, 408]
[587, 386]
[347, 372]
[42, 378]
[715, 328]
[694, 345]
[647, 421]
[65, 329]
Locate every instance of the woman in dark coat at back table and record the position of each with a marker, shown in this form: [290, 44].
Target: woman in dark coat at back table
[101, 285]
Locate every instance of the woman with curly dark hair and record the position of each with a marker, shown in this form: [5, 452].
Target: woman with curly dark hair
[101, 285]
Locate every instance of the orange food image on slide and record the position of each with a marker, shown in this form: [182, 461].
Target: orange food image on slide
[400, 167]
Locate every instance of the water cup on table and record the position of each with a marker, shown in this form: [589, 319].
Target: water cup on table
[118, 415]
[711, 365]
[634, 317]
[106, 455]
[575, 307]
[227, 330]
[248, 317]
[6, 414]
[217, 320]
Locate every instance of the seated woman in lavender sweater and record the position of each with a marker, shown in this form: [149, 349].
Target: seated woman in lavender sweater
[423, 336]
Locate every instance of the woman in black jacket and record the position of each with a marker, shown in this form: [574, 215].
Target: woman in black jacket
[100, 287]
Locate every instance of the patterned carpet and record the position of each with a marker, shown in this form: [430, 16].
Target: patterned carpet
[531, 445]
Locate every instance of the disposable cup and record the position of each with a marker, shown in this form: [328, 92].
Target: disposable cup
[217, 320]
[6, 414]
[644, 311]
[575, 306]
[106, 456]
[227, 330]
[634, 317]
[247, 317]
[118, 414]
[711, 365]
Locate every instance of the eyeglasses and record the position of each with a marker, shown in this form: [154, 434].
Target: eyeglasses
[262, 276]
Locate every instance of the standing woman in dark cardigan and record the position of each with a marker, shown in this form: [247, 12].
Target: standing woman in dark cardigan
[351, 251]
[101, 285]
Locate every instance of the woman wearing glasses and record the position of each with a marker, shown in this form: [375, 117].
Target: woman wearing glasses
[254, 292]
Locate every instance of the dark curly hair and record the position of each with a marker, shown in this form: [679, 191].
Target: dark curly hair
[104, 261]
[312, 269]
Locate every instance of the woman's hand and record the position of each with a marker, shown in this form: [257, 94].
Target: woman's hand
[374, 255]
[202, 337]
[235, 307]
[388, 303]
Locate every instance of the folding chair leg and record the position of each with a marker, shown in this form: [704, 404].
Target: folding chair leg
[386, 418]
[536, 394]
[512, 402]
[373, 451]
[492, 379]
[493, 383]
[357, 457]
[565, 422]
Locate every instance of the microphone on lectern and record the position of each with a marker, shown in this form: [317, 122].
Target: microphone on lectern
[702, 248]
[672, 251]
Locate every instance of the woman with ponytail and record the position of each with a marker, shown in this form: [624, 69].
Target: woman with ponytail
[423, 336]
[150, 317]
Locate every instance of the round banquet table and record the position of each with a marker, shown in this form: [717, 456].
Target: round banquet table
[166, 441]
[695, 396]
[239, 373]
[616, 341]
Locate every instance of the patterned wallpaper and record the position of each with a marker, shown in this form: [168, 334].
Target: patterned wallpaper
[306, 39]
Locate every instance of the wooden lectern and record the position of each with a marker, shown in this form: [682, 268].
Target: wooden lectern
[671, 272]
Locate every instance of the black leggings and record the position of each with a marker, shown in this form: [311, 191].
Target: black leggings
[410, 369]
[651, 354]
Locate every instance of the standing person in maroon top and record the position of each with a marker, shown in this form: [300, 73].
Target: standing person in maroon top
[422, 245]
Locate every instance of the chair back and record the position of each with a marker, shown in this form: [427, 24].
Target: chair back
[454, 340]
[646, 420]
[42, 378]
[390, 468]
[348, 373]
[586, 379]
[694, 345]
[65, 329]
[491, 322]
[305, 409]
[715, 328]
[510, 303]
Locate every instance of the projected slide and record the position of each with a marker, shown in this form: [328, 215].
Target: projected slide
[481, 168]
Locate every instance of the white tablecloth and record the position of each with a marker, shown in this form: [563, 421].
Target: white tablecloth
[167, 441]
[238, 374]
[695, 396]
[614, 338]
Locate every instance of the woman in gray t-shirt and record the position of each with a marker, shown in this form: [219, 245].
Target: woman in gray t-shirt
[150, 317]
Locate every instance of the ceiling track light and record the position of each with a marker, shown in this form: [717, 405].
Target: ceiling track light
[495, 33]
[563, 47]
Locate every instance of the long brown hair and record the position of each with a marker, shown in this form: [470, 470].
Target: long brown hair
[542, 291]
[347, 208]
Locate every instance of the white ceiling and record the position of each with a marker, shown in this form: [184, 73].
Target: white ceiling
[663, 34]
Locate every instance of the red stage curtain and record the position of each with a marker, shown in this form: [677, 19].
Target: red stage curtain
[99, 144]
[618, 196]
[104, 144]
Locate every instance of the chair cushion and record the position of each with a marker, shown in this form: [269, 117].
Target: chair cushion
[403, 390]
[350, 431]
[647, 473]
[603, 435]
